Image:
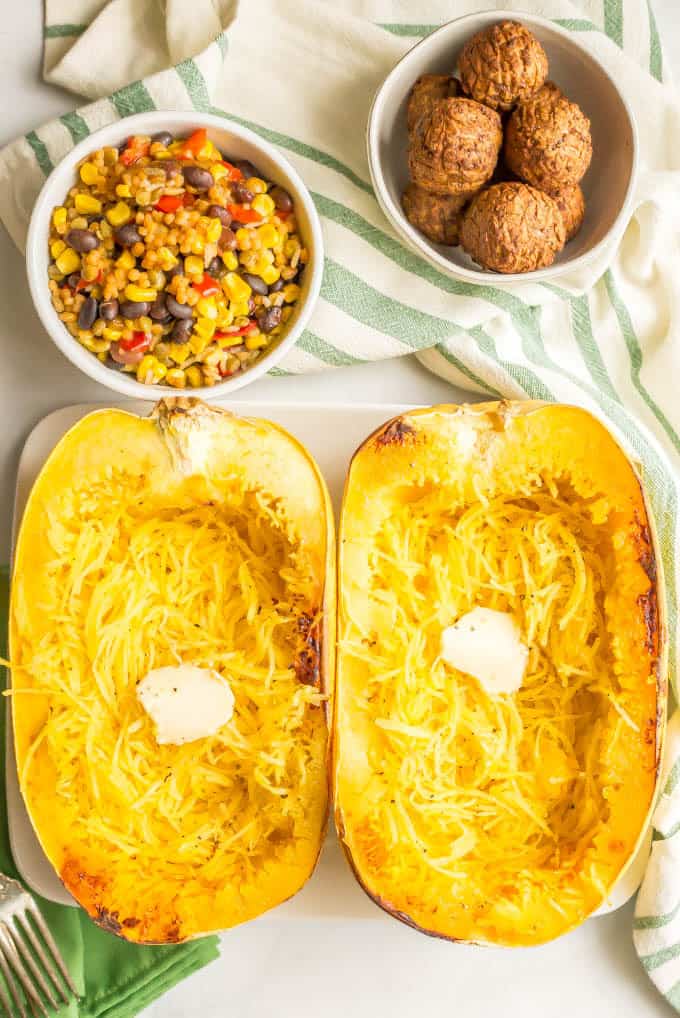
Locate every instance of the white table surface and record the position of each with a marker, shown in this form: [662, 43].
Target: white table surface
[295, 970]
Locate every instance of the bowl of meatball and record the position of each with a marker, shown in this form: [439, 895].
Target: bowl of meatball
[501, 150]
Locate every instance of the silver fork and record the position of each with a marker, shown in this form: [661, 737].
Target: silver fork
[25, 941]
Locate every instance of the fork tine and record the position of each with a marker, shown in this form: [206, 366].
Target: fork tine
[49, 940]
[42, 954]
[4, 967]
[17, 966]
[4, 1000]
[30, 961]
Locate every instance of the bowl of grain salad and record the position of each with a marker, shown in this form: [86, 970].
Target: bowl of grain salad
[174, 251]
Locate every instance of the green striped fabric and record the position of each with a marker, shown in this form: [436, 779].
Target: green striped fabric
[606, 339]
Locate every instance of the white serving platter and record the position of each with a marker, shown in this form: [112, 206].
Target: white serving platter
[331, 433]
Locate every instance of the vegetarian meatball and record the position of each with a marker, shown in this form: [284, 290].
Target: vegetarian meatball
[502, 65]
[436, 215]
[572, 205]
[425, 90]
[547, 141]
[454, 147]
[512, 228]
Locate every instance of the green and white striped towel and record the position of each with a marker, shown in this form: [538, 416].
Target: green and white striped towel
[302, 74]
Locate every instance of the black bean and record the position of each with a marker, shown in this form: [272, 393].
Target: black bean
[127, 235]
[163, 138]
[278, 285]
[181, 332]
[73, 280]
[198, 178]
[158, 311]
[176, 309]
[114, 365]
[268, 318]
[81, 240]
[134, 308]
[281, 199]
[217, 212]
[247, 168]
[217, 268]
[108, 309]
[240, 193]
[226, 240]
[256, 283]
[87, 315]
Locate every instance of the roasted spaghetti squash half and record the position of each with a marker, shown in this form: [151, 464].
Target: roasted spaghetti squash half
[190, 538]
[472, 810]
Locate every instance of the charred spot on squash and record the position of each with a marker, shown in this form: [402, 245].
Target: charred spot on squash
[643, 539]
[130, 922]
[650, 614]
[308, 656]
[107, 920]
[397, 432]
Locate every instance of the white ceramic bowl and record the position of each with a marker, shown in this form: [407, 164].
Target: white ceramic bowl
[608, 185]
[233, 140]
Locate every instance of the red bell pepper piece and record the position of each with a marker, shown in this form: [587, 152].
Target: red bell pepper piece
[138, 341]
[234, 172]
[82, 283]
[137, 146]
[243, 215]
[194, 143]
[206, 286]
[169, 202]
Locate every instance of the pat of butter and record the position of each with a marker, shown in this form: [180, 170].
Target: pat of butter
[487, 645]
[185, 702]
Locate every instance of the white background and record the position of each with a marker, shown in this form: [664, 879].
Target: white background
[364, 969]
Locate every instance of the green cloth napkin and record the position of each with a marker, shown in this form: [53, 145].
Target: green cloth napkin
[116, 979]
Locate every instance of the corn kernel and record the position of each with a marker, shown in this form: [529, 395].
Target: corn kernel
[139, 293]
[214, 231]
[291, 247]
[257, 186]
[198, 343]
[193, 266]
[176, 378]
[112, 334]
[59, 217]
[255, 341]
[263, 204]
[207, 308]
[87, 204]
[56, 247]
[194, 376]
[119, 214]
[235, 288]
[126, 260]
[230, 260]
[291, 292]
[226, 341]
[268, 235]
[179, 352]
[225, 317]
[218, 171]
[90, 342]
[89, 174]
[239, 309]
[205, 328]
[150, 368]
[243, 238]
[270, 274]
[123, 190]
[68, 261]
